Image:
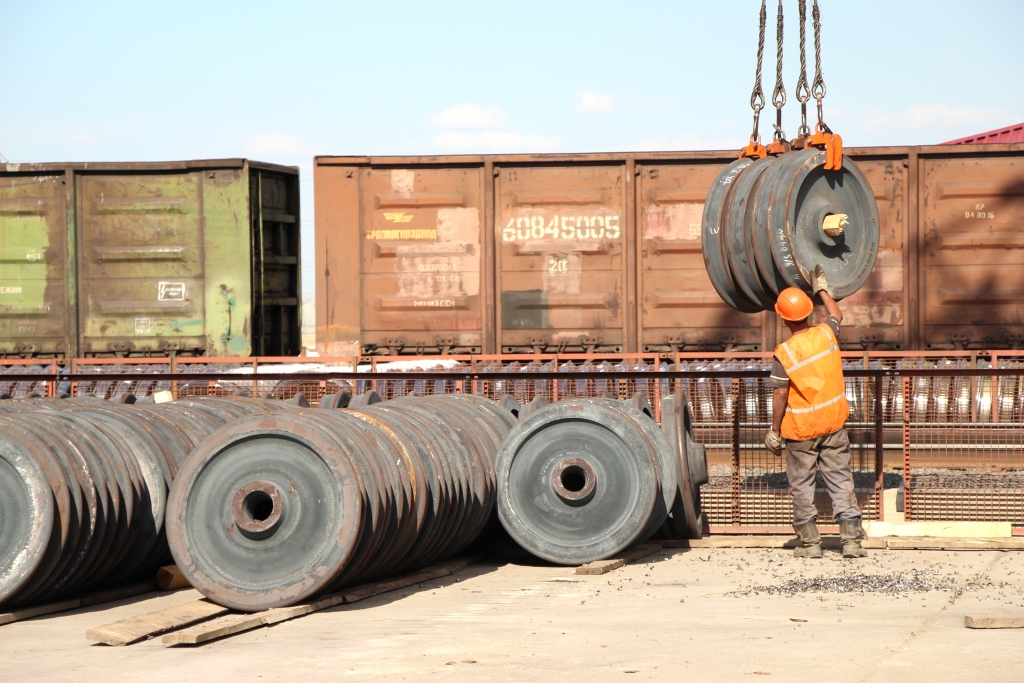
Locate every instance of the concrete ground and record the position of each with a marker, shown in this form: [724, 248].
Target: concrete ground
[671, 617]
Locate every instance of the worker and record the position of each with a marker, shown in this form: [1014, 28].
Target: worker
[809, 412]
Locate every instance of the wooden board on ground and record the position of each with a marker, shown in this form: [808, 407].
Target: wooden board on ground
[993, 622]
[631, 555]
[86, 600]
[939, 529]
[170, 578]
[30, 612]
[134, 629]
[955, 543]
[238, 623]
[833, 543]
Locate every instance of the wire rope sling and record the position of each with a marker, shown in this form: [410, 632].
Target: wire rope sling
[783, 208]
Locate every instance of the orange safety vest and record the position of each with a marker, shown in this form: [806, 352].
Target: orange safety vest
[817, 392]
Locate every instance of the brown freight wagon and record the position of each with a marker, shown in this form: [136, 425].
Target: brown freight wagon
[602, 253]
[149, 259]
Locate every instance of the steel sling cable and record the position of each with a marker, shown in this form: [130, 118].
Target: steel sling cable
[779, 94]
[757, 95]
[802, 91]
[818, 86]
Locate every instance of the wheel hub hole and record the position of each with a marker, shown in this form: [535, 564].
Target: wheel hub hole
[574, 481]
[574, 478]
[258, 506]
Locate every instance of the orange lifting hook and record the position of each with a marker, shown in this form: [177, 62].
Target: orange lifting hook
[833, 144]
[754, 150]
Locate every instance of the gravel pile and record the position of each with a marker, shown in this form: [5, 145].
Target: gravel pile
[893, 583]
[963, 479]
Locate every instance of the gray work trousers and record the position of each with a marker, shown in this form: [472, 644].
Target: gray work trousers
[830, 454]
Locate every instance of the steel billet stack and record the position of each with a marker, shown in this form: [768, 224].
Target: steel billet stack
[83, 488]
[273, 509]
[582, 479]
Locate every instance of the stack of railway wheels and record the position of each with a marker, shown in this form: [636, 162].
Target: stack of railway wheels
[273, 509]
[84, 485]
[768, 222]
[582, 479]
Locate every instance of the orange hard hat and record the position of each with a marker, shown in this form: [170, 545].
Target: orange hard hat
[793, 304]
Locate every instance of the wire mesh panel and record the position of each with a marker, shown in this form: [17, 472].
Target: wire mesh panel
[945, 430]
[965, 464]
[748, 485]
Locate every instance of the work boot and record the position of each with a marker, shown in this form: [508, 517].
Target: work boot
[810, 540]
[851, 532]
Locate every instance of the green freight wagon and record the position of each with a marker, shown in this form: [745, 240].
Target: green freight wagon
[197, 258]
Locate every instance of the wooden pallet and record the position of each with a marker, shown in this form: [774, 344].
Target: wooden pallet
[201, 621]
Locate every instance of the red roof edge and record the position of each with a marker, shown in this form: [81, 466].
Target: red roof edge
[1014, 133]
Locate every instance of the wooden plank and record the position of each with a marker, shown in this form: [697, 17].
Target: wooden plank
[993, 622]
[134, 629]
[369, 590]
[955, 543]
[218, 628]
[30, 612]
[778, 542]
[239, 623]
[940, 529]
[605, 566]
[170, 578]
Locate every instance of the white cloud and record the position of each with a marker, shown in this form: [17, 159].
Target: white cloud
[276, 145]
[936, 116]
[590, 102]
[469, 116]
[688, 142]
[474, 128]
[493, 141]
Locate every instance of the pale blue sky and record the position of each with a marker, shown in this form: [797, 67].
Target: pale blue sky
[283, 81]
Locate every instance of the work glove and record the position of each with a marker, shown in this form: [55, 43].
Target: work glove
[773, 442]
[818, 281]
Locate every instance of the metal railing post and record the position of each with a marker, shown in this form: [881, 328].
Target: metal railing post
[737, 403]
[879, 451]
[995, 390]
[174, 384]
[906, 449]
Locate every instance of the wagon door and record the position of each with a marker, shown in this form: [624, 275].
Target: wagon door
[142, 269]
[35, 317]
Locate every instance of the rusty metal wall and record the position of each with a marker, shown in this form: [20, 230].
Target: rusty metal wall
[680, 309]
[149, 259]
[401, 260]
[601, 253]
[562, 262]
[972, 212]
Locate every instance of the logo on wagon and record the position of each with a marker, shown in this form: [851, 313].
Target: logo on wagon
[171, 291]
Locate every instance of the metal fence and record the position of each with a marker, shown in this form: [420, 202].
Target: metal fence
[943, 435]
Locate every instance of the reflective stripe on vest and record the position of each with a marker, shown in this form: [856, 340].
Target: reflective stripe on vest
[817, 392]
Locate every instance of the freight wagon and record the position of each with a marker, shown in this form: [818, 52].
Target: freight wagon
[602, 253]
[149, 259]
